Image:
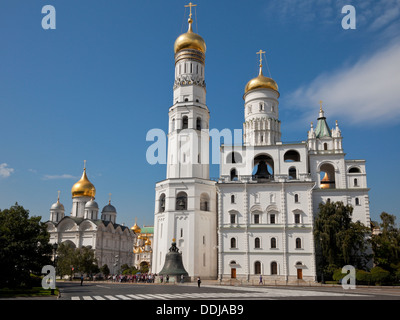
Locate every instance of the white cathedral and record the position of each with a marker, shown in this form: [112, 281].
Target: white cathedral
[257, 219]
[111, 242]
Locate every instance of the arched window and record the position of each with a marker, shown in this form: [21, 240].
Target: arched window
[185, 122]
[257, 267]
[198, 124]
[273, 243]
[354, 170]
[233, 198]
[234, 176]
[296, 198]
[257, 243]
[292, 173]
[181, 201]
[357, 202]
[233, 242]
[161, 203]
[355, 182]
[291, 156]
[298, 243]
[274, 268]
[327, 176]
[204, 202]
[234, 157]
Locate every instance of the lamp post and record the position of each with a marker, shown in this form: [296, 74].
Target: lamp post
[55, 247]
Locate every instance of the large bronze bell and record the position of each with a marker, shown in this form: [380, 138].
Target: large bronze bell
[262, 171]
[173, 265]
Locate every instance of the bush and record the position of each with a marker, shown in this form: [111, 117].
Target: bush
[380, 276]
[363, 277]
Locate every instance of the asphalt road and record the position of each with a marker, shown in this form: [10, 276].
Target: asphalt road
[163, 292]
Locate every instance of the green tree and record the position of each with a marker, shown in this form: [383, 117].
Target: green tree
[65, 259]
[86, 261]
[339, 241]
[105, 270]
[386, 244]
[24, 246]
[83, 260]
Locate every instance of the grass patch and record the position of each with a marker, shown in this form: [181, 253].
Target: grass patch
[24, 292]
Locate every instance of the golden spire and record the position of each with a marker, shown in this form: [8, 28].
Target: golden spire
[260, 53]
[109, 198]
[58, 198]
[320, 106]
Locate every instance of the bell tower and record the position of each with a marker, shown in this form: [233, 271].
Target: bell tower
[185, 203]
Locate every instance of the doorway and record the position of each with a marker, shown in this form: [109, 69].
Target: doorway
[233, 273]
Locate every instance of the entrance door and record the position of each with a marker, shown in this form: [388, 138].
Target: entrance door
[233, 273]
[300, 274]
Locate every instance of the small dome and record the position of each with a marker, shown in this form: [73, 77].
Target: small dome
[57, 206]
[91, 205]
[148, 242]
[109, 208]
[83, 188]
[261, 82]
[190, 40]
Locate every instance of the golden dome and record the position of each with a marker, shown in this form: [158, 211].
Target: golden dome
[148, 242]
[261, 82]
[190, 40]
[325, 182]
[83, 188]
[136, 228]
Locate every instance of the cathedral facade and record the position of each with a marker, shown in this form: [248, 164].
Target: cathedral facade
[257, 219]
[111, 242]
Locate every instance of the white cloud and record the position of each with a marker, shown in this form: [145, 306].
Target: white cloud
[366, 92]
[5, 171]
[60, 176]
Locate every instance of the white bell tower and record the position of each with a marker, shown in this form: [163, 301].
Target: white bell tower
[185, 204]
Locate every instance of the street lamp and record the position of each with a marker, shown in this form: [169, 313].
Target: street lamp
[55, 247]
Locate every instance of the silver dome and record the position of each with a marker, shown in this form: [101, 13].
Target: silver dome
[91, 205]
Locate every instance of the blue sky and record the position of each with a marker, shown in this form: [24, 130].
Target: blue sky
[92, 88]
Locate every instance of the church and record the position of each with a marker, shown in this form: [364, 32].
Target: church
[257, 218]
[111, 242]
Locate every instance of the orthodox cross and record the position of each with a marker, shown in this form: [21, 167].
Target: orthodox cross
[260, 53]
[190, 5]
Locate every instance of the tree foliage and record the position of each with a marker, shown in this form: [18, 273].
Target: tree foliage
[339, 240]
[24, 246]
[82, 260]
[386, 244]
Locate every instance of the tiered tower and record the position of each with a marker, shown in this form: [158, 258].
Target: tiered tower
[185, 204]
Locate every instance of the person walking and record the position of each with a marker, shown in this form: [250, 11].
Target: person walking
[81, 279]
[198, 282]
[261, 282]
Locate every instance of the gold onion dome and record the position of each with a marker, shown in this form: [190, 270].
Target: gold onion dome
[148, 242]
[261, 82]
[190, 40]
[83, 188]
[136, 228]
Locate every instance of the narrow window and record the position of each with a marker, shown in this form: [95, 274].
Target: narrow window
[234, 176]
[273, 243]
[256, 218]
[274, 268]
[257, 243]
[233, 243]
[298, 243]
[296, 198]
[198, 124]
[181, 232]
[297, 218]
[357, 202]
[257, 267]
[233, 198]
[185, 122]
[355, 182]
[233, 218]
[325, 146]
[272, 218]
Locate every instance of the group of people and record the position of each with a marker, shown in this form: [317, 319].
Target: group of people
[133, 278]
